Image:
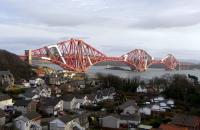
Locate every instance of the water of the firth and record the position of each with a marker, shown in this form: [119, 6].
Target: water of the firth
[150, 73]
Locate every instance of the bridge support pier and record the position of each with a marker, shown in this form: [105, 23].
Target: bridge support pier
[28, 56]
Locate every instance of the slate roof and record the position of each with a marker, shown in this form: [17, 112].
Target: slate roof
[32, 115]
[21, 102]
[186, 120]
[30, 92]
[5, 73]
[135, 117]
[4, 97]
[68, 97]
[79, 96]
[127, 104]
[66, 118]
[91, 96]
[49, 101]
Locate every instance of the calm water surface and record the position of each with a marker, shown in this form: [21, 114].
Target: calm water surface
[149, 74]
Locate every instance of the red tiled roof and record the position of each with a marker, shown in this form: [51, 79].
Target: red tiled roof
[186, 120]
[172, 127]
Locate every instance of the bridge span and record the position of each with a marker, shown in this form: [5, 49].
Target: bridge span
[77, 55]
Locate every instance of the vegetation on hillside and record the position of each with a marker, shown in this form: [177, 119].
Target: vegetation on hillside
[121, 84]
[11, 62]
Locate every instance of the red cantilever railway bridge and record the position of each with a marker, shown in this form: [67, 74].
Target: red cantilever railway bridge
[76, 55]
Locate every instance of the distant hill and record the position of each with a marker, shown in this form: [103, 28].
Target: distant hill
[11, 62]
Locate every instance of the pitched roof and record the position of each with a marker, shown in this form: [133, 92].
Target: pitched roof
[30, 92]
[91, 96]
[67, 118]
[79, 96]
[5, 73]
[32, 115]
[172, 127]
[49, 101]
[185, 120]
[4, 97]
[125, 117]
[21, 102]
[68, 97]
[127, 104]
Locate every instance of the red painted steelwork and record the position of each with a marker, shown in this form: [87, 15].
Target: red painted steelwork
[76, 55]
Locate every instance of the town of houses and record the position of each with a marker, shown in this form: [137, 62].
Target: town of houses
[60, 101]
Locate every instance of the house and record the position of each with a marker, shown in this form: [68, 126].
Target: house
[105, 94]
[30, 94]
[36, 82]
[83, 119]
[128, 108]
[5, 101]
[66, 123]
[157, 99]
[51, 106]
[91, 99]
[55, 90]
[2, 118]
[28, 121]
[155, 107]
[157, 104]
[53, 79]
[70, 102]
[43, 91]
[141, 89]
[35, 93]
[171, 103]
[6, 79]
[81, 99]
[145, 110]
[25, 106]
[191, 122]
[171, 127]
[108, 93]
[120, 121]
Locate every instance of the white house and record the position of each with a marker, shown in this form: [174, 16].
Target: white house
[36, 82]
[65, 123]
[28, 121]
[51, 106]
[157, 104]
[141, 89]
[155, 107]
[170, 102]
[128, 108]
[81, 99]
[70, 102]
[5, 101]
[146, 110]
[90, 99]
[120, 121]
[158, 99]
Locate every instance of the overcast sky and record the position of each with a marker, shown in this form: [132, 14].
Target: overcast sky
[114, 27]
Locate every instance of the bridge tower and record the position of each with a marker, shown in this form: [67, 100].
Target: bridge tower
[28, 56]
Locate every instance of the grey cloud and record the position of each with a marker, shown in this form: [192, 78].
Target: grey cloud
[168, 21]
[69, 20]
[17, 45]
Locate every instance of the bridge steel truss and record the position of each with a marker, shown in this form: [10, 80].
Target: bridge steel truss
[76, 55]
